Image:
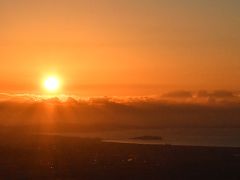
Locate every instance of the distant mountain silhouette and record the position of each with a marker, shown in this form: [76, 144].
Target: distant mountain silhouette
[147, 138]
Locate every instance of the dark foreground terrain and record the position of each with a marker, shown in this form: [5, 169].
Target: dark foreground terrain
[54, 157]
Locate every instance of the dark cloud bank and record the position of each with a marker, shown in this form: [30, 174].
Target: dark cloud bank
[175, 109]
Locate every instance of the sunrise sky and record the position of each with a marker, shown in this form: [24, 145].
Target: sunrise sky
[120, 47]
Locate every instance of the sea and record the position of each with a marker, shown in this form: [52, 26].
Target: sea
[216, 137]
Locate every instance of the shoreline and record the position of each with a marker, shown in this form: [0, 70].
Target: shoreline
[165, 144]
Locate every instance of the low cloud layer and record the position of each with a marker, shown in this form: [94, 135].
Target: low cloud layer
[175, 109]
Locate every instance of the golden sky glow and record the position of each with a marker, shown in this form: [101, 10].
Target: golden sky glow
[112, 47]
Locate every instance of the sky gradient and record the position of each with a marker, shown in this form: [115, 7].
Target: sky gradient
[120, 47]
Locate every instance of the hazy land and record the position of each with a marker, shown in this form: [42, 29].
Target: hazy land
[55, 157]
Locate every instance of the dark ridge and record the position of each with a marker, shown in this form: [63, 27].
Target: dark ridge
[147, 138]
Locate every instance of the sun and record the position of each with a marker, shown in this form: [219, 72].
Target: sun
[52, 84]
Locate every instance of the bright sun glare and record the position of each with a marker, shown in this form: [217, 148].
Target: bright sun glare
[52, 84]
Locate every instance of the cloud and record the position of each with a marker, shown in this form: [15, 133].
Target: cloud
[77, 114]
[217, 94]
[178, 94]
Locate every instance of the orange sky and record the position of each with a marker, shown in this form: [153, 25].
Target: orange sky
[120, 47]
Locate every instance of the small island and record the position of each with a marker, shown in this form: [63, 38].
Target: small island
[147, 138]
